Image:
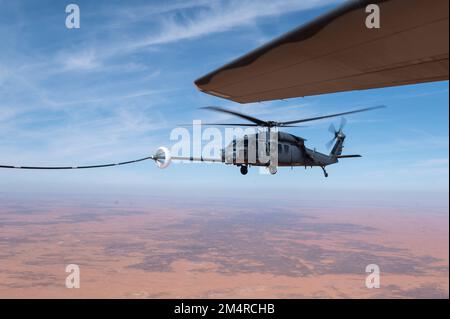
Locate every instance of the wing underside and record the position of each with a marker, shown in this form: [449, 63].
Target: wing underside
[337, 52]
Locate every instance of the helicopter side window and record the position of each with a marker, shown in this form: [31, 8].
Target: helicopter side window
[286, 148]
[280, 148]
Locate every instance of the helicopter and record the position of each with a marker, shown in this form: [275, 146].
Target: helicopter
[268, 148]
[271, 148]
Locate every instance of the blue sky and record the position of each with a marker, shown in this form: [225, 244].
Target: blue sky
[113, 90]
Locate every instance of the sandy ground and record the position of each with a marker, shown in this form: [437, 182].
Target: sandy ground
[212, 250]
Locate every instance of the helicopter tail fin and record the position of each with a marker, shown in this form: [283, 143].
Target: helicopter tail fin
[338, 146]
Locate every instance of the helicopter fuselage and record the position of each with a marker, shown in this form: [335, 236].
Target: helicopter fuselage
[286, 150]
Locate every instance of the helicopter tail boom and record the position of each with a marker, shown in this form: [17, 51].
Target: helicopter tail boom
[338, 146]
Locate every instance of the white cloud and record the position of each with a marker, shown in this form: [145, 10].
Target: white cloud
[223, 16]
[137, 13]
[86, 60]
[175, 24]
[175, 21]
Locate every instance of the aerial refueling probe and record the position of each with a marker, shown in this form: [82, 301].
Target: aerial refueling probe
[162, 159]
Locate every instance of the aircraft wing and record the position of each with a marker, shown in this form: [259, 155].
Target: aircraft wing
[337, 52]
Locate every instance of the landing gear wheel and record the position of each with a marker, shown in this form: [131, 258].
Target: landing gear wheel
[244, 170]
[272, 170]
[324, 171]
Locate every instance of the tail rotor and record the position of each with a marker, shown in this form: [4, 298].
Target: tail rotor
[336, 132]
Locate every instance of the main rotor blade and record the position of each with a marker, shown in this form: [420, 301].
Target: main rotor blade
[282, 125]
[221, 124]
[334, 115]
[243, 116]
[237, 124]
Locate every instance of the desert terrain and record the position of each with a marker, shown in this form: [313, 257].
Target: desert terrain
[161, 248]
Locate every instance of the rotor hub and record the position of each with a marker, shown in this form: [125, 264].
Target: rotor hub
[340, 134]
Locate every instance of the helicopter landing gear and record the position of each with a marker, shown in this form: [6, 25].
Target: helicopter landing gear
[324, 171]
[244, 170]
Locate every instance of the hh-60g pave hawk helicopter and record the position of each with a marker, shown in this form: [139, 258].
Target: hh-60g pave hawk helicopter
[271, 149]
